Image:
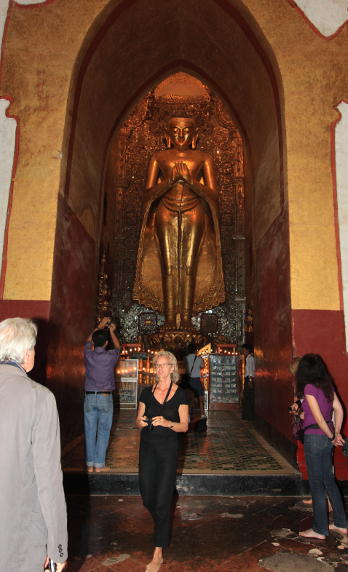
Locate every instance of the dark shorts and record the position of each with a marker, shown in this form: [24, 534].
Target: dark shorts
[196, 386]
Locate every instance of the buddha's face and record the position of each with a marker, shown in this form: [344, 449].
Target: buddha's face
[181, 131]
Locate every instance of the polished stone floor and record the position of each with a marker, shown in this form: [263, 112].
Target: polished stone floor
[230, 446]
[215, 534]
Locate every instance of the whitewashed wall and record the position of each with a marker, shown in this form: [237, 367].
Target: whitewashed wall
[341, 155]
[326, 15]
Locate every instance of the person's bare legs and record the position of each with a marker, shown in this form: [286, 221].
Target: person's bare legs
[157, 560]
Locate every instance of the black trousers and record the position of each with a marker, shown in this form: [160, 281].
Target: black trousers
[248, 401]
[157, 480]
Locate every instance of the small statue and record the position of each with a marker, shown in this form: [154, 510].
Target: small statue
[179, 268]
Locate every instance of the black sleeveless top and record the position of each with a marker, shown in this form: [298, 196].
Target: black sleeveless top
[169, 410]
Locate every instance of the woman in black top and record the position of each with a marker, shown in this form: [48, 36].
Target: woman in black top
[162, 413]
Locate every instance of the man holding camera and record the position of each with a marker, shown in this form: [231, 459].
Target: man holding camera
[99, 385]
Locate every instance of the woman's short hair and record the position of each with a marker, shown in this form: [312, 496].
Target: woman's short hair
[17, 337]
[172, 360]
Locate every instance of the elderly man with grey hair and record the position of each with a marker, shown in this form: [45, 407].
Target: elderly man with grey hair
[32, 504]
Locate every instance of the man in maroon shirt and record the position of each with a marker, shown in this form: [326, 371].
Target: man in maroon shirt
[99, 385]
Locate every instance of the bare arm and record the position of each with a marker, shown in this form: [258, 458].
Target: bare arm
[154, 188]
[115, 340]
[338, 420]
[208, 191]
[140, 420]
[178, 427]
[209, 174]
[102, 324]
[152, 173]
[89, 339]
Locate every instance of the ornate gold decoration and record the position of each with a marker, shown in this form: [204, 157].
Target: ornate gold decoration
[141, 136]
[249, 321]
[103, 299]
[176, 340]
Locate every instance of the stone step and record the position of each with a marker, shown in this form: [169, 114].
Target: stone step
[123, 484]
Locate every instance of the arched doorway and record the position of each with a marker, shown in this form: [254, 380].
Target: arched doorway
[127, 160]
[128, 51]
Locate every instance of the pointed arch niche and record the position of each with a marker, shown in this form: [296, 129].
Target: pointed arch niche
[129, 50]
[130, 149]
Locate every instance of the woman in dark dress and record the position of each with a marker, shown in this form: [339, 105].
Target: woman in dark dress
[162, 413]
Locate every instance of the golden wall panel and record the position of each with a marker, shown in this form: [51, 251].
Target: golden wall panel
[37, 68]
[313, 72]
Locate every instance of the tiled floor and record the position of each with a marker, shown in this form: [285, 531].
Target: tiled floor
[215, 534]
[231, 446]
[220, 533]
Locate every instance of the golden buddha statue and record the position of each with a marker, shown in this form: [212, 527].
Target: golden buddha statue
[179, 268]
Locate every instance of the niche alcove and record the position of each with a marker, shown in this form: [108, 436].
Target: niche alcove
[124, 188]
[130, 49]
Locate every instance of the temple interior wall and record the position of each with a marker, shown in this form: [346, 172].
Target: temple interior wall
[280, 78]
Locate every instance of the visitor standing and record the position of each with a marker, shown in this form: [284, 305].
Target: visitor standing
[193, 366]
[248, 399]
[99, 386]
[32, 504]
[295, 408]
[162, 414]
[321, 433]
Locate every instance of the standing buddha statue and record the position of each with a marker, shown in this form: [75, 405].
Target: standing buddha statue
[179, 268]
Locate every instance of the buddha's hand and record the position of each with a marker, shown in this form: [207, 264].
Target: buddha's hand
[181, 172]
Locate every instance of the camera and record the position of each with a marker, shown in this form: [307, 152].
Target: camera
[148, 420]
[292, 409]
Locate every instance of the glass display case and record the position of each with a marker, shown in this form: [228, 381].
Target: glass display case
[127, 383]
